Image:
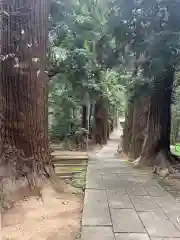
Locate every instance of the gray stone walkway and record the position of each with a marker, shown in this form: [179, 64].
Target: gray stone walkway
[123, 203]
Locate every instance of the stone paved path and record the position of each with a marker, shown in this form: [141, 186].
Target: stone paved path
[123, 203]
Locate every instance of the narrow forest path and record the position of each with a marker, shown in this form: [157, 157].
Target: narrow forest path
[123, 203]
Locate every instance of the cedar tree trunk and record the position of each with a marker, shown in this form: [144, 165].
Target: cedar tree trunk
[84, 117]
[101, 122]
[156, 148]
[140, 117]
[23, 107]
[127, 131]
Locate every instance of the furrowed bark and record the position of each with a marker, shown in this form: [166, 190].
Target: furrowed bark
[127, 130]
[84, 117]
[156, 147]
[101, 123]
[140, 116]
[24, 145]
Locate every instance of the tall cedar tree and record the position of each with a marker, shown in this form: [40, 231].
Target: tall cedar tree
[24, 143]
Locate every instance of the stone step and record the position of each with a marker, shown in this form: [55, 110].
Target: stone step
[67, 175]
[68, 169]
[69, 161]
[64, 177]
[69, 153]
[59, 164]
[58, 157]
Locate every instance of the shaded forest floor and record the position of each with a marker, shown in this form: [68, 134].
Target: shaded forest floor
[58, 216]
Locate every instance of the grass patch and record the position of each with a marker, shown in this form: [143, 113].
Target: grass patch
[176, 149]
[79, 180]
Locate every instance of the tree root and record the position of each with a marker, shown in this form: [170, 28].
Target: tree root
[137, 163]
[13, 188]
[175, 159]
[161, 163]
[31, 174]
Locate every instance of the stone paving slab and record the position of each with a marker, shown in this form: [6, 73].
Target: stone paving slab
[110, 170]
[131, 236]
[95, 182]
[118, 199]
[123, 203]
[165, 238]
[130, 172]
[114, 183]
[97, 233]
[144, 203]
[134, 189]
[95, 197]
[96, 209]
[158, 225]
[156, 190]
[96, 216]
[148, 182]
[175, 219]
[168, 204]
[133, 171]
[130, 182]
[103, 182]
[127, 177]
[126, 221]
[143, 179]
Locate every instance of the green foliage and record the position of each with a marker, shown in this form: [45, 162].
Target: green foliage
[112, 87]
[109, 49]
[176, 149]
[62, 104]
[175, 109]
[147, 34]
[83, 59]
[138, 88]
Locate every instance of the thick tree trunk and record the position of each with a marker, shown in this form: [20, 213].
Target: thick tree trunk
[100, 128]
[140, 117]
[84, 117]
[91, 115]
[23, 107]
[111, 124]
[97, 125]
[115, 121]
[127, 130]
[106, 124]
[156, 147]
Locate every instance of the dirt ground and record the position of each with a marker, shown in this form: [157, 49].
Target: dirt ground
[57, 217]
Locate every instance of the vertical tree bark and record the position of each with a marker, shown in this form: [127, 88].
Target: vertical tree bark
[106, 123]
[100, 128]
[140, 116]
[156, 148]
[91, 114]
[84, 117]
[115, 120]
[127, 131]
[23, 108]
